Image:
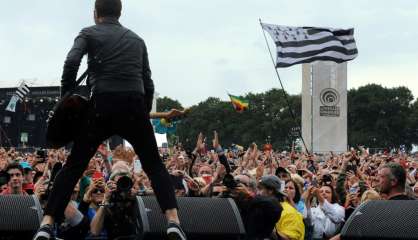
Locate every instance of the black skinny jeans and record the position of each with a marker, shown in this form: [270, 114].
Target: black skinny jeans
[110, 114]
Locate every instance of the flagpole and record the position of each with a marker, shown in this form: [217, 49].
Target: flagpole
[281, 84]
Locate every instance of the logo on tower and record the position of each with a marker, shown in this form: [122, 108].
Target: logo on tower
[329, 98]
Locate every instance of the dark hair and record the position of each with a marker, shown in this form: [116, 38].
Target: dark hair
[262, 215]
[298, 193]
[108, 8]
[14, 166]
[397, 172]
[334, 198]
[276, 194]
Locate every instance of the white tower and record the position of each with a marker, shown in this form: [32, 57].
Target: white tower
[324, 106]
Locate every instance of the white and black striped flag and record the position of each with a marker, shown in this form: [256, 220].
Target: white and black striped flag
[307, 44]
[22, 90]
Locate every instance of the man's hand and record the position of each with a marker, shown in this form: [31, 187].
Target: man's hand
[87, 196]
[350, 198]
[259, 172]
[40, 187]
[109, 188]
[219, 173]
[200, 145]
[307, 195]
[242, 190]
[102, 149]
[346, 159]
[175, 113]
[215, 141]
[316, 192]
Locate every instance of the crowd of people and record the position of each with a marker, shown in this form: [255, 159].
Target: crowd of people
[281, 195]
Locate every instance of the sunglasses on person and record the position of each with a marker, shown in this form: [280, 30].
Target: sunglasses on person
[98, 191]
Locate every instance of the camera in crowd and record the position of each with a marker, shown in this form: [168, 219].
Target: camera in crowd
[123, 208]
[123, 190]
[229, 182]
[41, 155]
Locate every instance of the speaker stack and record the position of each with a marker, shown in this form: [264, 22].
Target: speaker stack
[201, 218]
[20, 217]
[381, 220]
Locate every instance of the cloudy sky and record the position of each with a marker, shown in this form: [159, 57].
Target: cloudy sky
[199, 49]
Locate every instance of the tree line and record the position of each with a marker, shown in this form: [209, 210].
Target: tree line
[378, 117]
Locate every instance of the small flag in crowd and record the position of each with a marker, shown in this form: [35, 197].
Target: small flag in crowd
[297, 45]
[20, 94]
[240, 104]
[163, 126]
[11, 107]
[22, 90]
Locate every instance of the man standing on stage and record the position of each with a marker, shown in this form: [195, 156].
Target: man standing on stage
[122, 93]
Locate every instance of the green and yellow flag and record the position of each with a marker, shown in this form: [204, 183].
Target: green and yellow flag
[240, 104]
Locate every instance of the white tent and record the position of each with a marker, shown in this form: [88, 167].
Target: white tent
[161, 138]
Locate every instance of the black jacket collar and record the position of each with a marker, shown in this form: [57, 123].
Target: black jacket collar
[110, 20]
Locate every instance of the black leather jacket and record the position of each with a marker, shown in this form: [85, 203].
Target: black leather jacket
[125, 68]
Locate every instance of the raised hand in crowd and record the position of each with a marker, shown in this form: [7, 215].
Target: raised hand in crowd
[92, 187]
[215, 142]
[219, 173]
[200, 145]
[259, 171]
[40, 187]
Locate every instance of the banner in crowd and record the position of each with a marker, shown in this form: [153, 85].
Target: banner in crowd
[307, 44]
[20, 94]
[324, 113]
[11, 107]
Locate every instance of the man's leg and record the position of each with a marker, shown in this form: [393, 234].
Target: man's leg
[67, 178]
[139, 132]
[85, 145]
[143, 141]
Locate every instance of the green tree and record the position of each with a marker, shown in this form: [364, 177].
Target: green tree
[379, 117]
[166, 104]
[266, 119]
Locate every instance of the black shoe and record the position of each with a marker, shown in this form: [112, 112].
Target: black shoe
[45, 232]
[174, 232]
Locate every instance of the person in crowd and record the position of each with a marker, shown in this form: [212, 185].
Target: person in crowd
[248, 181]
[15, 185]
[294, 196]
[343, 186]
[327, 216]
[370, 195]
[260, 211]
[290, 225]
[180, 185]
[4, 181]
[283, 174]
[392, 180]
[91, 201]
[28, 175]
[117, 213]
